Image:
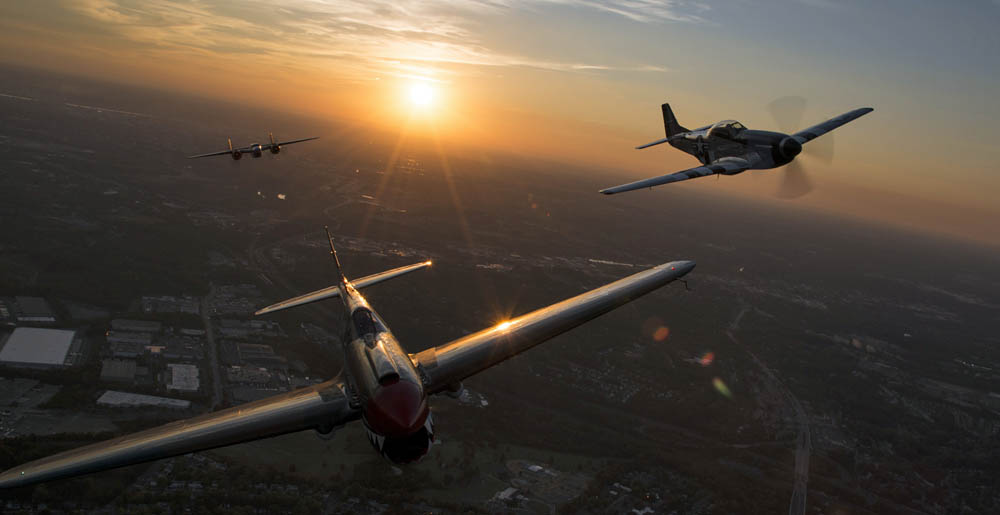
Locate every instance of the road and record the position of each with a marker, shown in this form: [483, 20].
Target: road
[213, 349]
[803, 442]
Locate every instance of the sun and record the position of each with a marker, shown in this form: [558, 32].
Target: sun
[421, 94]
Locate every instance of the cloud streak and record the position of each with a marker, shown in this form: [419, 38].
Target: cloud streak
[365, 37]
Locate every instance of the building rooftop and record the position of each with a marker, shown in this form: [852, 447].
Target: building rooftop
[37, 346]
[124, 399]
[140, 326]
[34, 309]
[118, 370]
[183, 377]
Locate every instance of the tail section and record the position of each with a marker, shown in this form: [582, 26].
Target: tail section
[336, 290]
[271, 135]
[670, 125]
[333, 252]
[230, 140]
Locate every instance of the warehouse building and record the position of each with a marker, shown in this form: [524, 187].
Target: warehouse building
[33, 310]
[182, 378]
[115, 399]
[34, 347]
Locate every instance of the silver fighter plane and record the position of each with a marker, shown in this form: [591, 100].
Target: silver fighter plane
[255, 149]
[729, 148]
[382, 385]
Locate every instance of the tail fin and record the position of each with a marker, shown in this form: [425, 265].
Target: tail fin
[333, 252]
[230, 140]
[271, 135]
[670, 125]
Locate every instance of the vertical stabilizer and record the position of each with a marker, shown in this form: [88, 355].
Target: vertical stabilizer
[271, 135]
[230, 140]
[333, 252]
[670, 125]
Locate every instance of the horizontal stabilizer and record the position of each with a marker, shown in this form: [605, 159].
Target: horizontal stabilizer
[334, 291]
[657, 142]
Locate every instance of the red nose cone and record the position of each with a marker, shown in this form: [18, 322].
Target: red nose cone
[396, 409]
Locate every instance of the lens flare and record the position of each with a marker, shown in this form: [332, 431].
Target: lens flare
[661, 333]
[721, 387]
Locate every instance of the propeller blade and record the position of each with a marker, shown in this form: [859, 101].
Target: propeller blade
[821, 148]
[787, 112]
[794, 183]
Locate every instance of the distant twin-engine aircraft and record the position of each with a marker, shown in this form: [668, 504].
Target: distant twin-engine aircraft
[729, 148]
[381, 384]
[255, 150]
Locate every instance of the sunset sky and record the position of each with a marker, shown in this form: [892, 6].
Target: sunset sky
[582, 82]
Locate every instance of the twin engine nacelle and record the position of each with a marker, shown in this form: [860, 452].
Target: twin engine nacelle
[237, 155]
[275, 149]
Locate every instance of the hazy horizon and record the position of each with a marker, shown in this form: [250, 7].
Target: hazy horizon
[582, 83]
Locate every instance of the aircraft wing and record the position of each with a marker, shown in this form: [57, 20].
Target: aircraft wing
[447, 364]
[728, 167]
[296, 141]
[321, 405]
[220, 153]
[820, 129]
[334, 291]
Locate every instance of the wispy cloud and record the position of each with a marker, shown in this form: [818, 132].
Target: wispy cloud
[364, 36]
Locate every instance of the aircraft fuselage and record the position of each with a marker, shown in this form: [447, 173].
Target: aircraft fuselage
[389, 389]
[762, 149]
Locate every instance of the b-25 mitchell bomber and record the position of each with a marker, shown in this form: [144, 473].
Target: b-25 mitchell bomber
[729, 148]
[255, 149]
[382, 385]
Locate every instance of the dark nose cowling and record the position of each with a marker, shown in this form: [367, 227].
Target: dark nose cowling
[397, 409]
[789, 148]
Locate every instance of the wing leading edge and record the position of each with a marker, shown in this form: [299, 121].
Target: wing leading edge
[822, 128]
[294, 141]
[219, 153]
[727, 167]
[321, 405]
[452, 362]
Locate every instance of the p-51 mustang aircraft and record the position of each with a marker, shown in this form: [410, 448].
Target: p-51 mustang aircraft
[382, 384]
[729, 148]
[255, 150]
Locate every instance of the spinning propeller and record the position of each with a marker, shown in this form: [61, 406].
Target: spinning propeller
[787, 112]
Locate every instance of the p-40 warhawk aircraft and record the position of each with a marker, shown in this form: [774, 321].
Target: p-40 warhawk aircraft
[255, 150]
[382, 385]
[729, 148]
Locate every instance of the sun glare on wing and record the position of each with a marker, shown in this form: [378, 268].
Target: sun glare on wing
[421, 94]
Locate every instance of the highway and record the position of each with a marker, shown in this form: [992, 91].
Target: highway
[803, 442]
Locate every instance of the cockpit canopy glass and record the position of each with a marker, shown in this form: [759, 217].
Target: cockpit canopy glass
[364, 322]
[728, 129]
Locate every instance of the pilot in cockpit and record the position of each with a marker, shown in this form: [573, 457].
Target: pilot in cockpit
[364, 324]
[726, 129]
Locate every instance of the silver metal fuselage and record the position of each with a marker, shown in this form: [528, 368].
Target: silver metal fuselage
[381, 374]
